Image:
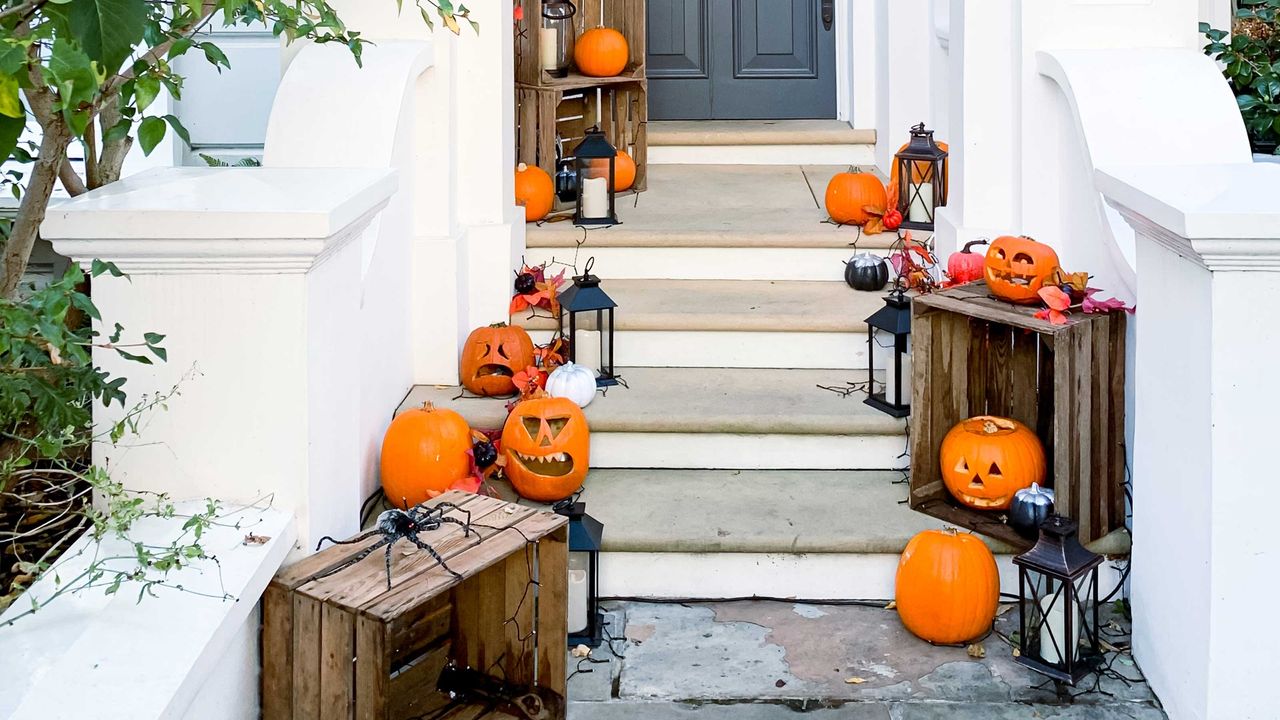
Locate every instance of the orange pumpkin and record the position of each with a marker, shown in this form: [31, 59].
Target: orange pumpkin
[534, 191]
[985, 460]
[849, 194]
[947, 587]
[424, 452]
[547, 444]
[492, 356]
[601, 52]
[918, 171]
[1017, 267]
[624, 172]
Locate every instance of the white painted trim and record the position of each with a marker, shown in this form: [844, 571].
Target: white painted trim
[843, 28]
[747, 452]
[812, 576]
[762, 155]
[121, 659]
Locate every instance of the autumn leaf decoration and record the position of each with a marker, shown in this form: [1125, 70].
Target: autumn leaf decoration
[1066, 290]
[551, 355]
[529, 381]
[913, 264]
[1056, 303]
[544, 292]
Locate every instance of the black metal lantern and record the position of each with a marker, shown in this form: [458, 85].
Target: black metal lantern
[594, 160]
[555, 37]
[581, 299]
[1058, 615]
[585, 534]
[922, 180]
[889, 348]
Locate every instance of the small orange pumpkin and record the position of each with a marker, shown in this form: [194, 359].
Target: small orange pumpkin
[624, 172]
[849, 194]
[947, 587]
[1017, 267]
[492, 356]
[601, 52]
[918, 171]
[547, 444]
[534, 191]
[985, 460]
[424, 452]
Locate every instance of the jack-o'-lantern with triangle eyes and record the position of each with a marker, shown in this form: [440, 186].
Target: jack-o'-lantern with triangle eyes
[491, 357]
[547, 442]
[985, 460]
[1017, 267]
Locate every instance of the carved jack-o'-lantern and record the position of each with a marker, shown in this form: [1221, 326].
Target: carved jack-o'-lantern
[547, 443]
[491, 357]
[986, 459]
[1017, 267]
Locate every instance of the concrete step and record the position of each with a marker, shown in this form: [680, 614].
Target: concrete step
[734, 323]
[698, 533]
[718, 418]
[761, 142]
[719, 222]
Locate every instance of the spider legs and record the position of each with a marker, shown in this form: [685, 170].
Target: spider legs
[434, 554]
[352, 541]
[466, 527]
[389, 546]
[360, 556]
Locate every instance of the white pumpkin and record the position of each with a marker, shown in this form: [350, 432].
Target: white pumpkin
[575, 382]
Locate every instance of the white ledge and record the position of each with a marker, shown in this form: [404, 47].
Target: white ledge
[111, 657]
[220, 219]
[1225, 217]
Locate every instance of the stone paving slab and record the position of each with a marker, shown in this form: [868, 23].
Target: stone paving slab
[764, 660]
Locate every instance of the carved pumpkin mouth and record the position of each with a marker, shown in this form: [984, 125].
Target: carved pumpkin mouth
[997, 503]
[553, 465]
[1011, 277]
[493, 369]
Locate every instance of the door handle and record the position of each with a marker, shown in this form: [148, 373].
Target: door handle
[828, 13]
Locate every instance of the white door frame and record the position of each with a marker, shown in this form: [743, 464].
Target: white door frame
[856, 41]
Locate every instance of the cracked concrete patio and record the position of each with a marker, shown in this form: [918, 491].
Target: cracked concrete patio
[762, 660]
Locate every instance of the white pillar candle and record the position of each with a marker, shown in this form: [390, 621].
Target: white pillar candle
[595, 197]
[548, 45]
[1055, 626]
[884, 359]
[921, 209]
[578, 566]
[586, 350]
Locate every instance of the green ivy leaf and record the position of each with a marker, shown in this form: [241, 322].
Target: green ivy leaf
[178, 128]
[145, 91]
[150, 133]
[10, 130]
[215, 56]
[73, 73]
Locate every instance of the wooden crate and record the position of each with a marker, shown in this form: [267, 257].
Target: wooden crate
[974, 355]
[625, 16]
[542, 113]
[343, 646]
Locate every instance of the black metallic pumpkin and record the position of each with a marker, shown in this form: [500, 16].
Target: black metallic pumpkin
[865, 271]
[1029, 509]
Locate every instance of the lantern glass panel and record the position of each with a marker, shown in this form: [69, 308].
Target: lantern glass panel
[594, 160]
[555, 37]
[590, 326]
[585, 535]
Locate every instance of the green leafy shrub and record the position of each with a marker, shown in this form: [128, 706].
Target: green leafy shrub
[1250, 58]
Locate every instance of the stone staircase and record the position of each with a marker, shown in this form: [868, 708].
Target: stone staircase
[723, 469]
[759, 142]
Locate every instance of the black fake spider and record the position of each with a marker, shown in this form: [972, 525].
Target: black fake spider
[397, 524]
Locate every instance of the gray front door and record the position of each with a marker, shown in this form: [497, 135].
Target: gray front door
[740, 59]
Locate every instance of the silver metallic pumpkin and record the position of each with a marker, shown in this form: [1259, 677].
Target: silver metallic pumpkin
[1030, 507]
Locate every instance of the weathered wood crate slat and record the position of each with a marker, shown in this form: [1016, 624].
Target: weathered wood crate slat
[344, 646]
[625, 16]
[975, 355]
[544, 113]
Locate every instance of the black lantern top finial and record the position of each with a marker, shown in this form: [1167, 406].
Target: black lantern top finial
[922, 146]
[594, 145]
[585, 293]
[1058, 552]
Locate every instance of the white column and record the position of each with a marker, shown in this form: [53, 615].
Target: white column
[255, 278]
[1205, 552]
[983, 102]
[904, 36]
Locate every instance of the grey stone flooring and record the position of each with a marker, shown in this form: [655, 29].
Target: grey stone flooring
[764, 660]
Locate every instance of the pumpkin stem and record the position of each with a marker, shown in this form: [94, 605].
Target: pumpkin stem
[498, 325]
[968, 245]
[428, 405]
[522, 167]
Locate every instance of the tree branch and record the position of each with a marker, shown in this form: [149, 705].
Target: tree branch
[70, 180]
[152, 57]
